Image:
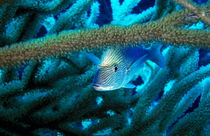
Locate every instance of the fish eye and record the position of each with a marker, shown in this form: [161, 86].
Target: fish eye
[115, 68]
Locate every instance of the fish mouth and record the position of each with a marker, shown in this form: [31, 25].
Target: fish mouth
[101, 88]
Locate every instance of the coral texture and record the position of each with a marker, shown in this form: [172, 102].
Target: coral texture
[45, 75]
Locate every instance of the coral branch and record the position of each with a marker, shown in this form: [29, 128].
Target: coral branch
[7, 1]
[66, 42]
[200, 13]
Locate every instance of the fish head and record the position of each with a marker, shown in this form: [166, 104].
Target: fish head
[109, 77]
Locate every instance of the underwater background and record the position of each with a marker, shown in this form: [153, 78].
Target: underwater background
[46, 76]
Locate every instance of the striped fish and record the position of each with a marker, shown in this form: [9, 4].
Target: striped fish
[117, 67]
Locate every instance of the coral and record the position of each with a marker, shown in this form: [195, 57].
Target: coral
[63, 43]
[45, 82]
[7, 1]
[201, 14]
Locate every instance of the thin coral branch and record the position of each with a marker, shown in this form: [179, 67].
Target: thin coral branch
[195, 9]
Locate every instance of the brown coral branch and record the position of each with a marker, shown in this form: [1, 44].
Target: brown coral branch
[195, 9]
[66, 42]
[7, 1]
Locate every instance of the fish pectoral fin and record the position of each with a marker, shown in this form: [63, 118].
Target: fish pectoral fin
[92, 58]
[129, 85]
[137, 64]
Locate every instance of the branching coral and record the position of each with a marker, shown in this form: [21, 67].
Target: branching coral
[201, 14]
[63, 43]
[54, 95]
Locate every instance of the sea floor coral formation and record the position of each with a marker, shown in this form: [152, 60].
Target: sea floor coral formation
[45, 83]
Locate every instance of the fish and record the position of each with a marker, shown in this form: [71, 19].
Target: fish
[117, 66]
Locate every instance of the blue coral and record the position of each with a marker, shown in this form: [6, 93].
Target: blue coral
[54, 96]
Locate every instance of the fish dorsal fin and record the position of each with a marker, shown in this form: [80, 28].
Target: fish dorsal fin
[111, 56]
[156, 56]
[92, 58]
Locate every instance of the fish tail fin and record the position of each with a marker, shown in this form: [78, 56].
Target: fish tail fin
[155, 54]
